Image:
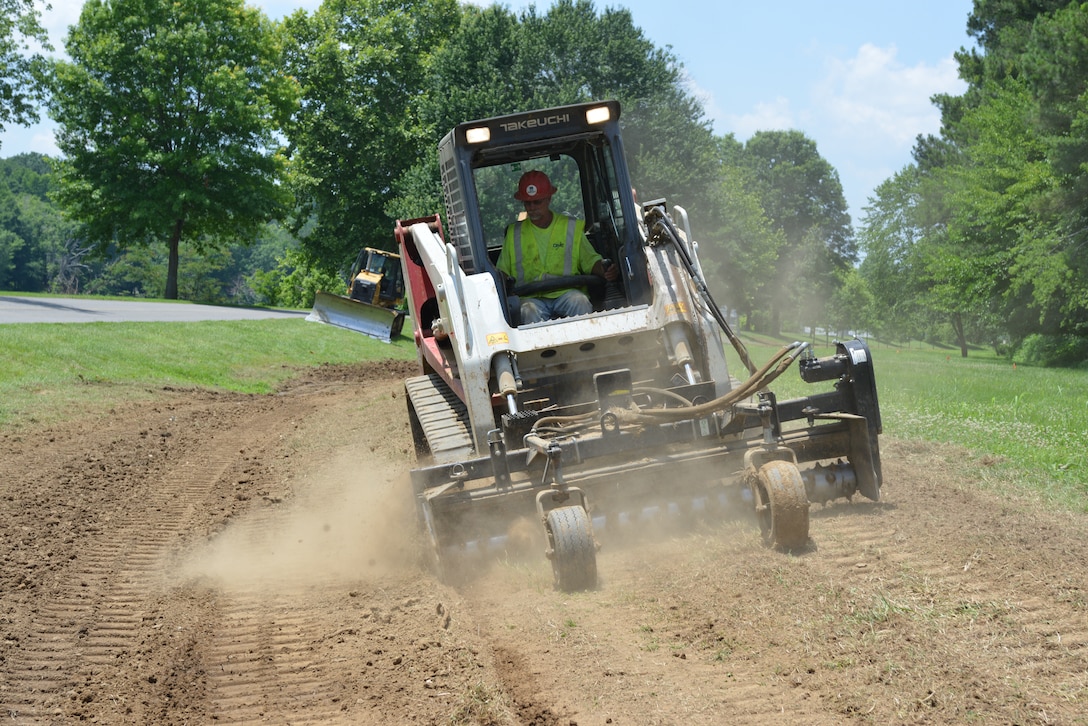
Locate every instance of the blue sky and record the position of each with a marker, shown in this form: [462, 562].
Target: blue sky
[855, 76]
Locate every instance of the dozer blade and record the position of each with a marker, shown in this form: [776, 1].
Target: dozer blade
[343, 312]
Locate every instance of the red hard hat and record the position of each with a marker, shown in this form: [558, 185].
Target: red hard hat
[534, 185]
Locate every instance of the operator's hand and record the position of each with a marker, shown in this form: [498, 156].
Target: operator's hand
[607, 269]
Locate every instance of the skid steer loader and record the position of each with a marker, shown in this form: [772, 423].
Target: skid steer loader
[601, 420]
[374, 300]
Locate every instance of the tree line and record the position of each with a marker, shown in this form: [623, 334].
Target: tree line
[259, 156]
[985, 233]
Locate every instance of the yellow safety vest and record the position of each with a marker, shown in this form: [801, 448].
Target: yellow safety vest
[556, 250]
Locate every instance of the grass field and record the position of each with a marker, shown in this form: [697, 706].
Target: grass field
[48, 371]
[1029, 424]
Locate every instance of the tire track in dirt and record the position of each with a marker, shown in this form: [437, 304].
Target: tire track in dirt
[294, 638]
[899, 612]
[98, 603]
[610, 654]
[93, 620]
[131, 563]
[944, 603]
[313, 609]
[320, 614]
[266, 664]
[260, 655]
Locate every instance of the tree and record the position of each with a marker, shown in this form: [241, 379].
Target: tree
[385, 80]
[574, 54]
[21, 88]
[850, 310]
[995, 204]
[362, 66]
[168, 116]
[1056, 64]
[33, 228]
[1011, 169]
[892, 228]
[741, 244]
[803, 197]
[497, 63]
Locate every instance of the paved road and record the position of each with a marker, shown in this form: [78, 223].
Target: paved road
[91, 310]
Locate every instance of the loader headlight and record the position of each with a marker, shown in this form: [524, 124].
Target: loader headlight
[598, 114]
[478, 135]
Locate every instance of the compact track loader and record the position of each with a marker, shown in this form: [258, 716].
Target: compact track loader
[602, 420]
[374, 297]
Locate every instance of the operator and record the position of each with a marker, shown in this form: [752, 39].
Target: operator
[546, 244]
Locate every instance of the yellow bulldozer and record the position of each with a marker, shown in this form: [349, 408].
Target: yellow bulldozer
[374, 304]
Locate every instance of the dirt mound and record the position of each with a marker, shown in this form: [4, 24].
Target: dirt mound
[228, 558]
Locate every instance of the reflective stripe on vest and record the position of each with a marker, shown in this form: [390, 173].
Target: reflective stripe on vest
[568, 257]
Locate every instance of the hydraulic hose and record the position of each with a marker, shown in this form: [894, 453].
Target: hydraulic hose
[662, 229]
[772, 369]
[762, 378]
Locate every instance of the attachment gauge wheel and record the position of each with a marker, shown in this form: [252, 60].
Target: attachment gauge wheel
[572, 549]
[781, 505]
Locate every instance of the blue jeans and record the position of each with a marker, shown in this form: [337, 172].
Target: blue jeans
[572, 302]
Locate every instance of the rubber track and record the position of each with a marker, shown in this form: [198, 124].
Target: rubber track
[443, 417]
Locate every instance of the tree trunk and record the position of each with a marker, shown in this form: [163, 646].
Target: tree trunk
[172, 265]
[957, 325]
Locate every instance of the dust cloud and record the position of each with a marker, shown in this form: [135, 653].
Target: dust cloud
[351, 520]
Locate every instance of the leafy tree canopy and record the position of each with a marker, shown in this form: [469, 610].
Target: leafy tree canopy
[383, 81]
[498, 63]
[362, 66]
[803, 198]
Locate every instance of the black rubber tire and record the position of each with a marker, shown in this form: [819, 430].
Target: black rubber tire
[574, 551]
[783, 514]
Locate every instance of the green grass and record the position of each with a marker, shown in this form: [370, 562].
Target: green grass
[48, 371]
[1030, 424]
[1037, 417]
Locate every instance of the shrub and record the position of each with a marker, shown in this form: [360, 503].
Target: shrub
[294, 282]
[1052, 351]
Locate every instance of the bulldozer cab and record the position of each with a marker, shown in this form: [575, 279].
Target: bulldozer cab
[580, 149]
[377, 278]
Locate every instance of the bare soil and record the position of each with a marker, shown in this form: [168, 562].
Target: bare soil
[221, 558]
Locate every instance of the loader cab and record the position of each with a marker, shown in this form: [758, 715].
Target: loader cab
[580, 149]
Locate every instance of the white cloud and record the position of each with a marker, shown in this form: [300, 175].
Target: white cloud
[877, 101]
[703, 95]
[775, 115]
[19, 140]
[44, 142]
